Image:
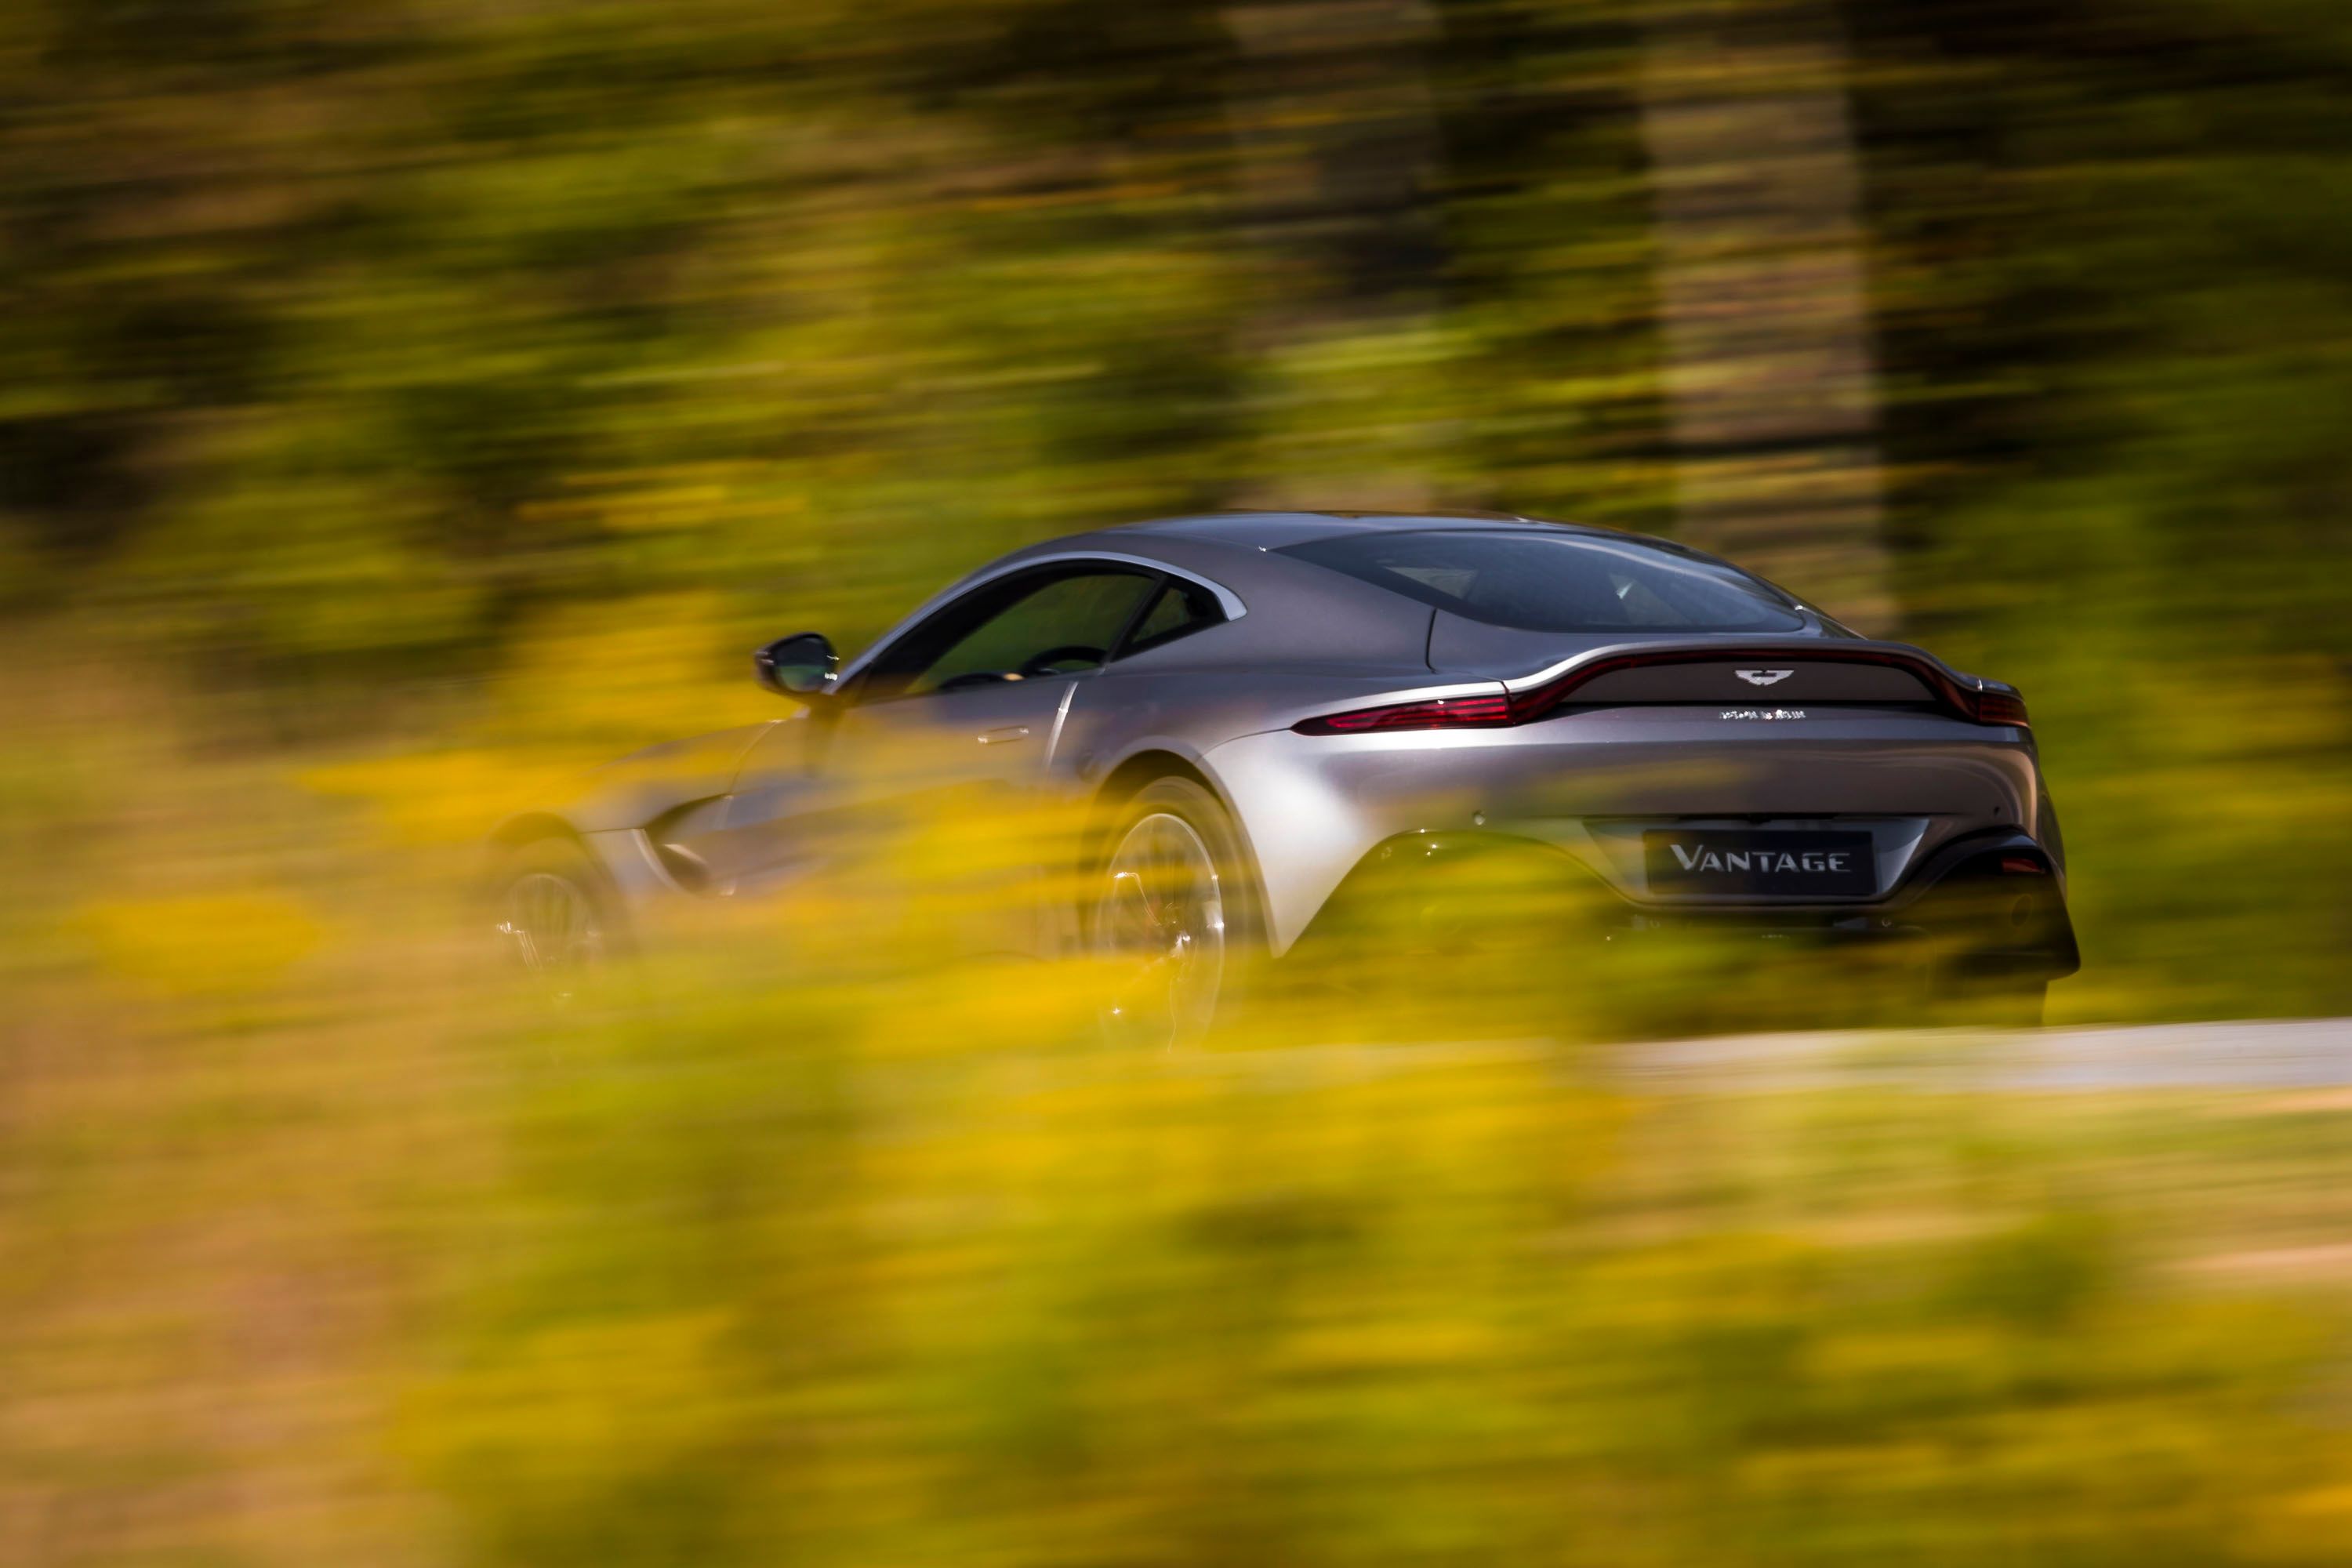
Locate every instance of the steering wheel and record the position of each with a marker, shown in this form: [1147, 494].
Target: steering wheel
[1042, 663]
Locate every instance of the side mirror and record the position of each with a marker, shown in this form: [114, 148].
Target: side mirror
[798, 667]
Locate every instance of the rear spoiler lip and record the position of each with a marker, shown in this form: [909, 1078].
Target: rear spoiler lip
[1533, 696]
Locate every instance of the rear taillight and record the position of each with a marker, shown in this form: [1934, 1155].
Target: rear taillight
[1439, 714]
[1998, 707]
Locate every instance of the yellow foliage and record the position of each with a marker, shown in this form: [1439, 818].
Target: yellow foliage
[578, 1403]
[200, 945]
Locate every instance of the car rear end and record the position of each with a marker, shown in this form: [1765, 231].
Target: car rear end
[1798, 784]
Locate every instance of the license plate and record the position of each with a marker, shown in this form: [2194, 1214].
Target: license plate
[1759, 864]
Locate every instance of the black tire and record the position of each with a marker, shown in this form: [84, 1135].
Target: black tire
[553, 913]
[1112, 918]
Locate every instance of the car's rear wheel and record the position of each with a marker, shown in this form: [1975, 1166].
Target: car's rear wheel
[551, 913]
[1174, 918]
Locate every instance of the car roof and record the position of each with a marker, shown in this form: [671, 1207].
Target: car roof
[1279, 530]
[1285, 607]
[1239, 548]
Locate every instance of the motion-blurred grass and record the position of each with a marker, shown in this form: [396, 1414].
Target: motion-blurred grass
[321, 1238]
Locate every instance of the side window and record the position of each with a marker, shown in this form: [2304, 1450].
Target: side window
[1179, 609]
[1026, 629]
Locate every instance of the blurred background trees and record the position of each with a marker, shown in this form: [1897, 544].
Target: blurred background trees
[352, 349]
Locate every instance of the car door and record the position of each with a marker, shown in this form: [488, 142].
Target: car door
[944, 735]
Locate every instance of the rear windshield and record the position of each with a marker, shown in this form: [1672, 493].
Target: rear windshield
[1560, 582]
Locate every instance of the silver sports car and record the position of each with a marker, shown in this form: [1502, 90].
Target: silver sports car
[1243, 718]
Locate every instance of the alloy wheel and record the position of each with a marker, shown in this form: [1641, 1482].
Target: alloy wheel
[551, 923]
[1162, 920]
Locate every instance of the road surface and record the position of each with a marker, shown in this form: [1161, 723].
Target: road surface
[2291, 1054]
[2299, 1054]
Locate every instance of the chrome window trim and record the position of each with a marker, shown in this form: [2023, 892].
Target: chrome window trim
[1227, 600]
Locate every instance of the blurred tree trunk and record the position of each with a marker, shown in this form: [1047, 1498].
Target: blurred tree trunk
[1764, 296]
[1337, 132]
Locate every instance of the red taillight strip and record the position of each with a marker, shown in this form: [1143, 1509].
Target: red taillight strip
[2001, 708]
[1978, 707]
[1438, 713]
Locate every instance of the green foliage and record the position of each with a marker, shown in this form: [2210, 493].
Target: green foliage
[2110, 293]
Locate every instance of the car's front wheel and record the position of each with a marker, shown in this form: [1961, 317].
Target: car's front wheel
[551, 914]
[1173, 918]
